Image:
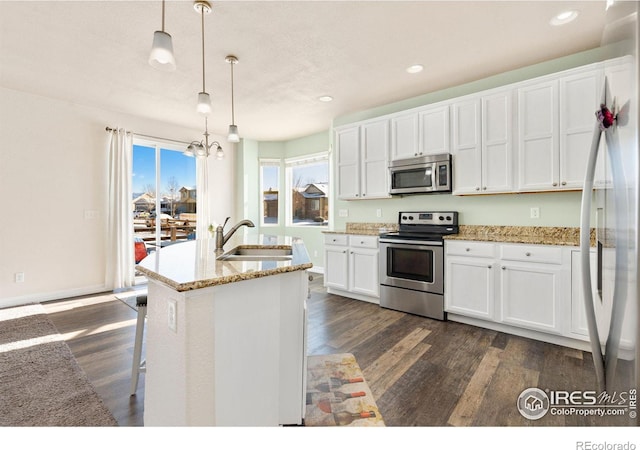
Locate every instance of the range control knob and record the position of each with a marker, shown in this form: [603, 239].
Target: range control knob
[448, 217]
[404, 217]
[410, 217]
[440, 218]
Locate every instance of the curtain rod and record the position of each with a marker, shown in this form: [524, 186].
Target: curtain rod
[148, 136]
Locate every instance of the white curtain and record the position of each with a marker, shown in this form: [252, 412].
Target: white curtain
[203, 218]
[119, 242]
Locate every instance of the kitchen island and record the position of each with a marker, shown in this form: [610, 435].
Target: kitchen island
[225, 341]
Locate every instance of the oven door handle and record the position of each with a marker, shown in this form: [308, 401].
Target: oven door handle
[411, 242]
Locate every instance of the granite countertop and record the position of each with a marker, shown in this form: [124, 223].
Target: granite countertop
[569, 236]
[365, 228]
[194, 265]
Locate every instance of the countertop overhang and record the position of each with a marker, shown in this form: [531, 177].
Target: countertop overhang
[194, 264]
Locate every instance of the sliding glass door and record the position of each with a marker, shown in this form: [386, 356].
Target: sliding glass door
[164, 196]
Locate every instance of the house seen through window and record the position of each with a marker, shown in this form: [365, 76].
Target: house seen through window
[269, 182]
[308, 190]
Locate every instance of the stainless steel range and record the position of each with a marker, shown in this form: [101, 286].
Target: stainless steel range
[412, 263]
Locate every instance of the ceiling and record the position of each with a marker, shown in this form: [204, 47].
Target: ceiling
[290, 53]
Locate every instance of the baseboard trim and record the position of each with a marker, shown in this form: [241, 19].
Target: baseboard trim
[50, 296]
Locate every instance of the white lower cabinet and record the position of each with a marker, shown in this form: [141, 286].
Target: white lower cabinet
[470, 264]
[602, 304]
[531, 296]
[351, 266]
[518, 288]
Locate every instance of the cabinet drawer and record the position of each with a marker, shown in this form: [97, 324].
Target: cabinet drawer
[363, 241]
[336, 239]
[470, 248]
[531, 253]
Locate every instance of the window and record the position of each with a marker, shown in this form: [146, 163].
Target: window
[269, 182]
[308, 190]
[164, 194]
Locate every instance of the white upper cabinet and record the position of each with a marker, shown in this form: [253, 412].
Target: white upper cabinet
[467, 147]
[538, 154]
[497, 145]
[482, 144]
[434, 131]
[362, 160]
[420, 132]
[348, 162]
[556, 122]
[529, 136]
[374, 159]
[579, 100]
[405, 136]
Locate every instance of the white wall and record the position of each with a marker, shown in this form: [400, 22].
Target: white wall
[52, 169]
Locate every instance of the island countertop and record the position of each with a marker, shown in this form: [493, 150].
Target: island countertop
[194, 265]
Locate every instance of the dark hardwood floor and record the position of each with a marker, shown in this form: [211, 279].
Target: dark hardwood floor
[422, 372]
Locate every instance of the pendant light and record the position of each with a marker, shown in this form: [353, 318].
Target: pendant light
[161, 56]
[233, 128]
[204, 101]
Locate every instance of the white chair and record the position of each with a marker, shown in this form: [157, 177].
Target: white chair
[139, 365]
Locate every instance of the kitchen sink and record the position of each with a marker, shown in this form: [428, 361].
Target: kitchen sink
[257, 254]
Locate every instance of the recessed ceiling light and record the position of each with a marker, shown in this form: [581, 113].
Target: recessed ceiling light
[325, 98]
[564, 17]
[415, 68]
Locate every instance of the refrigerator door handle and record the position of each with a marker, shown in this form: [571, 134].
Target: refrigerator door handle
[621, 256]
[585, 263]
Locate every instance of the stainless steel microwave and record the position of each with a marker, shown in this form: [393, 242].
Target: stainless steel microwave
[421, 175]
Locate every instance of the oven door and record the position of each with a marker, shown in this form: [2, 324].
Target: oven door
[416, 265]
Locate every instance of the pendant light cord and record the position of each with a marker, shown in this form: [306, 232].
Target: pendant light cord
[233, 120]
[163, 16]
[202, 15]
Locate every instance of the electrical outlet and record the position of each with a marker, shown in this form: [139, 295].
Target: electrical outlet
[378, 212]
[19, 277]
[90, 214]
[172, 313]
[343, 213]
[315, 253]
[535, 213]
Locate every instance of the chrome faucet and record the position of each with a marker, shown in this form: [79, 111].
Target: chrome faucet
[222, 238]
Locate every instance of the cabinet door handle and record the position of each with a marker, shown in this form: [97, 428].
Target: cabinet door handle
[415, 154]
[527, 254]
[484, 188]
[477, 188]
[344, 251]
[564, 183]
[467, 249]
[352, 253]
[504, 268]
[555, 184]
[361, 242]
[364, 195]
[489, 266]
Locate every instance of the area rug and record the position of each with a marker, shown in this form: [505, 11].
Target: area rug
[41, 383]
[337, 393]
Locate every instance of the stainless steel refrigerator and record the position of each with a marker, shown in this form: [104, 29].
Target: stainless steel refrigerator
[610, 206]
